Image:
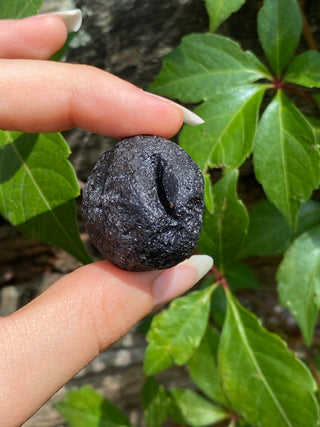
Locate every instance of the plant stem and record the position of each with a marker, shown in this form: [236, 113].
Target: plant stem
[220, 278]
[306, 29]
[279, 84]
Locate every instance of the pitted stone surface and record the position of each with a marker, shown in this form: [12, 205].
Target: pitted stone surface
[143, 204]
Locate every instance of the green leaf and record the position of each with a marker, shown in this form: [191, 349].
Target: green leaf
[14, 9]
[308, 216]
[317, 100]
[38, 187]
[87, 408]
[286, 157]
[177, 332]
[218, 307]
[264, 381]
[206, 64]
[240, 276]
[299, 280]
[315, 121]
[220, 10]
[192, 409]
[156, 403]
[208, 193]
[269, 232]
[224, 230]
[304, 70]
[279, 30]
[316, 361]
[226, 137]
[203, 367]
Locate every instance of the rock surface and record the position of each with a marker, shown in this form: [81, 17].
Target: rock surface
[143, 203]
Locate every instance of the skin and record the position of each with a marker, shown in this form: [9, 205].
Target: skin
[48, 341]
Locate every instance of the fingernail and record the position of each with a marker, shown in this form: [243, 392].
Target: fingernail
[72, 18]
[189, 117]
[180, 278]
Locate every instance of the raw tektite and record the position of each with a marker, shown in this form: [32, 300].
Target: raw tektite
[143, 204]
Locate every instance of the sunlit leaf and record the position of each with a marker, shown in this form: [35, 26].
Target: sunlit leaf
[264, 381]
[14, 9]
[220, 10]
[304, 70]
[206, 64]
[192, 409]
[279, 29]
[226, 137]
[286, 157]
[299, 280]
[38, 187]
[176, 333]
[85, 407]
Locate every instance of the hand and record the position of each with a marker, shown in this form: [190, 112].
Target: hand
[48, 341]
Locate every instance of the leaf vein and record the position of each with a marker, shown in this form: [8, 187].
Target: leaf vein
[245, 339]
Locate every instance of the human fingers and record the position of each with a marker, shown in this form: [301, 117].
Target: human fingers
[36, 37]
[47, 342]
[46, 96]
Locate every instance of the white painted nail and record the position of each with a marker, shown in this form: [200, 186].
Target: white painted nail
[72, 19]
[175, 281]
[202, 263]
[189, 117]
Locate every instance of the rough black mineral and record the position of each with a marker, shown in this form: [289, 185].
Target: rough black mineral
[143, 204]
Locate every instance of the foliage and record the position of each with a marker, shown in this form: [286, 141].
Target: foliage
[86, 407]
[30, 164]
[19, 8]
[243, 374]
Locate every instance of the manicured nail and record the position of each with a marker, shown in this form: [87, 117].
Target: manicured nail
[72, 18]
[189, 117]
[180, 278]
[201, 263]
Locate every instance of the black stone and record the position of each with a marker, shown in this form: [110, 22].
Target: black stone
[143, 204]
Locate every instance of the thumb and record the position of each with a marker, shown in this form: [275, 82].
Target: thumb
[48, 341]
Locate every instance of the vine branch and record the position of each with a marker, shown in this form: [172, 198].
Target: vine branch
[220, 278]
[311, 42]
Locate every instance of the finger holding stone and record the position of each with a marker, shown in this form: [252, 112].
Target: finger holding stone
[47, 96]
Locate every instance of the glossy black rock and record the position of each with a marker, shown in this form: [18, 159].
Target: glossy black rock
[143, 204]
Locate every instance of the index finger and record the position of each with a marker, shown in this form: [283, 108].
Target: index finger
[36, 37]
[45, 96]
